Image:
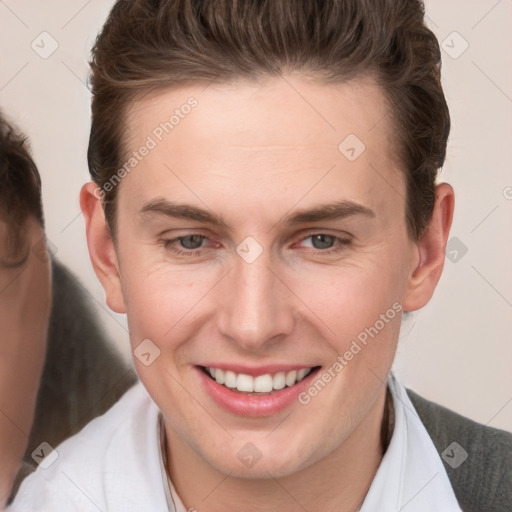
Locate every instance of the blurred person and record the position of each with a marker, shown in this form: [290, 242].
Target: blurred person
[57, 370]
[264, 207]
[25, 299]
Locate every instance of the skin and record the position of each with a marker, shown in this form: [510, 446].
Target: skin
[254, 154]
[25, 299]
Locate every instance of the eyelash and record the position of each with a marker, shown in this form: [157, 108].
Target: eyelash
[171, 245]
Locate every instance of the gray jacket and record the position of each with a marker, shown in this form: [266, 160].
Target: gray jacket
[483, 482]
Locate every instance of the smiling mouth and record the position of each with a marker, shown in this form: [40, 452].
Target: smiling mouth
[261, 385]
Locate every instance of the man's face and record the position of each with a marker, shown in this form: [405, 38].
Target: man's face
[249, 241]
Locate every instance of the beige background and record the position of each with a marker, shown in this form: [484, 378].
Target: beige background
[458, 350]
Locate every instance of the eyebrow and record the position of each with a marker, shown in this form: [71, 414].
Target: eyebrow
[333, 211]
[181, 211]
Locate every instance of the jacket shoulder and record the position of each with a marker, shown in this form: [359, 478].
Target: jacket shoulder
[482, 479]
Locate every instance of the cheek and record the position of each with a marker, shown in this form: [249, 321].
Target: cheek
[348, 299]
[357, 308]
[160, 300]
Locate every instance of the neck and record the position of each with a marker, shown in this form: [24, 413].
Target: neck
[338, 482]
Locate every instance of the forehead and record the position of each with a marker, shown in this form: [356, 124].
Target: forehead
[327, 110]
[278, 138]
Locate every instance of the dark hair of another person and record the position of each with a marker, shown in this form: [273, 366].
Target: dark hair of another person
[20, 192]
[151, 45]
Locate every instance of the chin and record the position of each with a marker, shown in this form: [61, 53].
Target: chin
[261, 470]
[261, 460]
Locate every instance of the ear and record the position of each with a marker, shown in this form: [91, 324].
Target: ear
[101, 246]
[430, 251]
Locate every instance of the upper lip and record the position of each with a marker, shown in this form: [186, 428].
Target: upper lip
[256, 371]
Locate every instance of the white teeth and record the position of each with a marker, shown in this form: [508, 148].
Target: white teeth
[261, 384]
[219, 375]
[291, 378]
[230, 379]
[279, 381]
[245, 383]
[302, 373]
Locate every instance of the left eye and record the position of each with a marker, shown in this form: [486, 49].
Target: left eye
[191, 242]
[320, 241]
[324, 244]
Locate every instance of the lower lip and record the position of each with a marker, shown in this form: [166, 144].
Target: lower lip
[254, 405]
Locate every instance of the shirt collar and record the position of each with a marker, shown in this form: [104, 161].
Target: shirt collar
[411, 476]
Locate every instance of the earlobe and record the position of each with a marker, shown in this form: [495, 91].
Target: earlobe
[101, 247]
[431, 248]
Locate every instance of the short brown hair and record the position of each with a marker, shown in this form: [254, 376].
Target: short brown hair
[147, 45]
[20, 190]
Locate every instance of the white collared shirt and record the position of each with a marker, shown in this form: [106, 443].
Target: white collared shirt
[411, 476]
[114, 464]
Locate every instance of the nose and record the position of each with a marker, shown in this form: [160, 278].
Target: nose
[256, 309]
